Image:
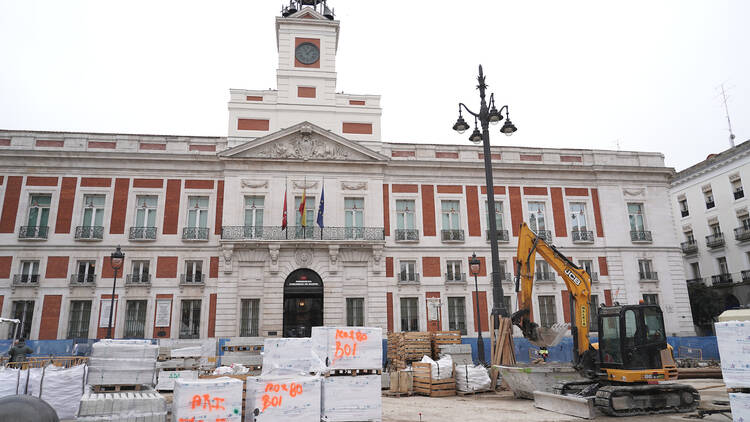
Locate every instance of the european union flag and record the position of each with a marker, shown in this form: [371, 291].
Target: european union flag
[321, 208]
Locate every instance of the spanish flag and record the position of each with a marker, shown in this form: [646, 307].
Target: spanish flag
[303, 215]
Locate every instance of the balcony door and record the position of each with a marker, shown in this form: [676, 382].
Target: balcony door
[303, 303]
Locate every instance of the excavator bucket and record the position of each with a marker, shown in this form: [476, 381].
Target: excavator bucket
[549, 336]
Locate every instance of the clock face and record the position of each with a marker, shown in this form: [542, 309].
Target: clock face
[307, 53]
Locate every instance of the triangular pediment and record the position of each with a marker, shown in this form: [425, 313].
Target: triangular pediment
[307, 13]
[304, 141]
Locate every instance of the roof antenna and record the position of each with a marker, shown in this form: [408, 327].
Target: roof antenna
[724, 99]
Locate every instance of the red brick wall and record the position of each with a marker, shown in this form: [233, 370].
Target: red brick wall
[576, 192]
[10, 204]
[49, 143]
[498, 190]
[57, 267]
[607, 297]
[357, 128]
[356, 102]
[597, 212]
[403, 154]
[254, 98]
[41, 181]
[212, 315]
[482, 310]
[566, 305]
[172, 206]
[388, 306]
[531, 157]
[219, 221]
[252, 124]
[439, 154]
[405, 188]
[6, 263]
[96, 182]
[166, 267]
[571, 158]
[65, 207]
[199, 184]
[558, 212]
[119, 206]
[205, 148]
[433, 325]
[516, 208]
[148, 183]
[50, 317]
[167, 330]
[214, 267]
[533, 190]
[388, 266]
[101, 332]
[1, 303]
[428, 210]
[386, 210]
[603, 269]
[107, 271]
[431, 266]
[482, 267]
[306, 91]
[102, 144]
[472, 210]
[493, 157]
[152, 147]
[449, 189]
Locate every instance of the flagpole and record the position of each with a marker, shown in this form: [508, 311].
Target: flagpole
[286, 227]
[322, 187]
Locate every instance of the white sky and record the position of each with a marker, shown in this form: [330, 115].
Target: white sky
[578, 74]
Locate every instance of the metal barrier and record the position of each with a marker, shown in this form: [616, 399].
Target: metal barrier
[42, 361]
[685, 352]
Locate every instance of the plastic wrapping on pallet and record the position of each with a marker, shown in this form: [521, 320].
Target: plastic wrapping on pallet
[147, 406]
[290, 356]
[471, 378]
[131, 349]
[122, 362]
[351, 398]
[166, 379]
[733, 338]
[186, 352]
[349, 347]
[740, 404]
[206, 400]
[283, 399]
[442, 368]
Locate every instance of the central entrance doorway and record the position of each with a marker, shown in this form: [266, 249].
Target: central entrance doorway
[303, 303]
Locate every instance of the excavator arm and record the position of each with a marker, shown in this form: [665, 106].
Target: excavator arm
[576, 279]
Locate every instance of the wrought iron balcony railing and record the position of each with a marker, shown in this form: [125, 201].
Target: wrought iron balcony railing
[507, 277]
[262, 233]
[685, 213]
[455, 278]
[640, 236]
[407, 235]
[195, 233]
[89, 233]
[545, 276]
[721, 279]
[745, 275]
[545, 235]
[26, 280]
[408, 278]
[82, 279]
[582, 236]
[134, 328]
[193, 279]
[454, 235]
[594, 276]
[648, 275]
[142, 233]
[138, 279]
[695, 280]
[710, 204]
[739, 193]
[689, 248]
[715, 240]
[502, 235]
[742, 233]
[33, 232]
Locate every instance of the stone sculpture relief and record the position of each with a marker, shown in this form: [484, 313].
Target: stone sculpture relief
[305, 147]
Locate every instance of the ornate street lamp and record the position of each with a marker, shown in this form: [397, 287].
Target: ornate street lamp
[116, 260]
[489, 114]
[474, 267]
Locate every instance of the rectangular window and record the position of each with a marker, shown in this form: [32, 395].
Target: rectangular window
[39, 211]
[249, 317]
[197, 211]
[457, 314]
[498, 214]
[723, 267]
[578, 216]
[193, 271]
[508, 305]
[449, 210]
[354, 217]
[190, 321]
[684, 211]
[543, 271]
[709, 196]
[737, 188]
[405, 214]
[409, 315]
[407, 271]
[23, 310]
[145, 211]
[744, 221]
[135, 319]
[453, 271]
[355, 312]
[689, 237]
[79, 319]
[140, 272]
[587, 265]
[651, 299]
[86, 272]
[645, 269]
[93, 211]
[695, 268]
[594, 313]
[310, 208]
[537, 221]
[547, 311]
[29, 272]
[254, 211]
[715, 229]
[635, 216]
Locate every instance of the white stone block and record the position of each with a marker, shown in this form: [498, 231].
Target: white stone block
[348, 398]
[208, 399]
[283, 399]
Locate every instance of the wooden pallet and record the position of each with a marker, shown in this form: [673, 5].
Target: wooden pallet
[352, 372]
[439, 338]
[471, 393]
[397, 395]
[242, 348]
[115, 388]
[425, 385]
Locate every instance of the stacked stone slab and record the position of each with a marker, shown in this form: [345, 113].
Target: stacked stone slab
[145, 406]
[207, 400]
[122, 362]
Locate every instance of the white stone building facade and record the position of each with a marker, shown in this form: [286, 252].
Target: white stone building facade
[200, 220]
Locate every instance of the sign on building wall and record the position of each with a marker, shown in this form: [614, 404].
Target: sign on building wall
[105, 306]
[163, 313]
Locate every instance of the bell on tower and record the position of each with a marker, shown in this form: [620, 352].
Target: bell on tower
[319, 6]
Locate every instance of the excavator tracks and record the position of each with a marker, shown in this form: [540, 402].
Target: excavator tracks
[649, 399]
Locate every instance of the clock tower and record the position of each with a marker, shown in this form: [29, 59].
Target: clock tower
[307, 37]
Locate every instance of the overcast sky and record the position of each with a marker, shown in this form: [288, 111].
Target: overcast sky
[576, 74]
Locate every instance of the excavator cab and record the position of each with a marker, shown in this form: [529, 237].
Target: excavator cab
[631, 337]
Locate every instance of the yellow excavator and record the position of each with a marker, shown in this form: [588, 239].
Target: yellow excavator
[626, 369]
